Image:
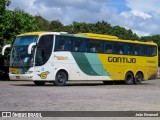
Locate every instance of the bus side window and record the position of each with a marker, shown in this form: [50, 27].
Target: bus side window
[44, 49]
[144, 50]
[78, 45]
[107, 47]
[94, 46]
[39, 57]
[136, 50]
[127, 48]
[152, 50]
[118, 48]
[62, 43]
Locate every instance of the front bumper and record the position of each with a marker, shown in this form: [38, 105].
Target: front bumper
[20, 76]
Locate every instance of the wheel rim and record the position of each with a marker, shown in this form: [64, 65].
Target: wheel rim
[61, 78]
[138, 78]
[129, 77]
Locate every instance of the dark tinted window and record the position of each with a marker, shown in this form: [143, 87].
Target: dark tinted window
[127, 49]
[152, 50]
[44, 49]
[62, 43]
[94, 46]
[118, 48]
[108, 47]
[78, 45]
[144, 50]
[136, 49]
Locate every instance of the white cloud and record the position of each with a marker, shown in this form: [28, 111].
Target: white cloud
[139, 32]
[142, 16]
[144, 5]
[65, 10]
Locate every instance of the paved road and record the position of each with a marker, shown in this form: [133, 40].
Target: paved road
[79, 96]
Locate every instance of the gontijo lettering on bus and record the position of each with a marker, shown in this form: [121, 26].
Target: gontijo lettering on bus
[121, 59]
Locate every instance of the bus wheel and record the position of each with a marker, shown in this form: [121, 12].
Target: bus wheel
[129, 78]
[39, 83]
[61, 79]
[138, 78]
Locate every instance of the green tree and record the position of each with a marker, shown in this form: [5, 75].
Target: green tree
[3, 4]
[43, 24]
[56, 26]
[102, 28]
[80, 27]
[16, 22]
[13, 23]
[123, 33]
[154, 38]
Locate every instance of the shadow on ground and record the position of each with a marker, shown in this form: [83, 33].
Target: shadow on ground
[70, 83]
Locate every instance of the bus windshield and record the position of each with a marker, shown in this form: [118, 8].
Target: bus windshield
[19, 54]
[20, 58]
[24, 40]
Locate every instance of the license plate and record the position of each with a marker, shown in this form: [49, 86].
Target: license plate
[17, 77]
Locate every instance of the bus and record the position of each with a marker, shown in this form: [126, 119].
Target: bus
[59, 57]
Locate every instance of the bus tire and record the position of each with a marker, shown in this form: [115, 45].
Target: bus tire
[61, 78]
[129, 78]
[138, 78]
[39, 83]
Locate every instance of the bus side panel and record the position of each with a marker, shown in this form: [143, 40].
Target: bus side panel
[152, 66]
[118, 65]
[113, 69]
[65, 61]
[152, 72]
[80, 66]
[90, 65]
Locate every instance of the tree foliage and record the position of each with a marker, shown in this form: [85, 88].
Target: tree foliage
[13, 23]
[154, 38]
[42, 24]
[17, 22]
[3, 4]
[100, 27]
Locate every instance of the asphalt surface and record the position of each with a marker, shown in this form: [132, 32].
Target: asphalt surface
[79, 96]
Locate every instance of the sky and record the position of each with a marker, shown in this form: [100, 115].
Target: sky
[141, 16]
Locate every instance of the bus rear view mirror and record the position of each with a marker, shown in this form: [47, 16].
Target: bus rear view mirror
[30, 47]
[5, 47]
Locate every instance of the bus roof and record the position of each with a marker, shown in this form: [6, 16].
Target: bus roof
[35, 33]
[89, 35]
[113, 38]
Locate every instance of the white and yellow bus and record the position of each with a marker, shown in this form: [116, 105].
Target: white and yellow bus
[59, 57]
